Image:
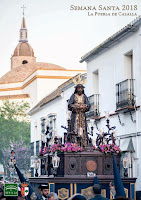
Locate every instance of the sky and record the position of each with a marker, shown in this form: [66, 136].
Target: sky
[58, 31]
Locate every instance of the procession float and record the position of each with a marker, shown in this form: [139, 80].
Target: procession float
[70, 163]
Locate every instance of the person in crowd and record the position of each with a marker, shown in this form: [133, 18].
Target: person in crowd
[1, 194]
[121, 198]
[52, 196]
[44, 191]
[15, 180]
[77, 197]
[97, 193]
[1, 182]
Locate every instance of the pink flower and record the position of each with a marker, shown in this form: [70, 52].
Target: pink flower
[73, 149]
[69, 149]
[81, 148]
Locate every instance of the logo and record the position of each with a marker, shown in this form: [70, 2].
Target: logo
[24, 189]
[10, 189]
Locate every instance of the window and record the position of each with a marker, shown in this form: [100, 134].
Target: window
[96, 82]
[52, 122]
[125, 89]
[32, 149]
[24, 62]
[37, 147]
[128, 65]
[43, 125]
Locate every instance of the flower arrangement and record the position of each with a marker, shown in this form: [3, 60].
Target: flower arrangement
[67, 147]
[109, 148]
[73, 147]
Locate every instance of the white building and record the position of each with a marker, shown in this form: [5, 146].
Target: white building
[30, 80]
[114, 72]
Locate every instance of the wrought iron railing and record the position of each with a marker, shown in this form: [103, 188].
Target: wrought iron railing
[94, 110]
[125, 93]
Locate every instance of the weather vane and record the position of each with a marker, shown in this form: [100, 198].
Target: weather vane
[23, 9]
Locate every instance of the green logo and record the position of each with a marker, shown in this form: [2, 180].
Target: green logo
[10, 189]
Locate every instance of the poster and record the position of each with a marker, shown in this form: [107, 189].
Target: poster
[62, 31]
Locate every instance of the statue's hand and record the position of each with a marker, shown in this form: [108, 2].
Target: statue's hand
[84, 107]
[77, 105]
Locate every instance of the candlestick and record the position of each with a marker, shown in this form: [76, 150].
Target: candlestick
[69, 115]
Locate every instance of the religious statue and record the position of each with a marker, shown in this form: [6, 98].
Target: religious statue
[79, 104]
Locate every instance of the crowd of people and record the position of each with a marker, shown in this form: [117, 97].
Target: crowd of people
[46, 195]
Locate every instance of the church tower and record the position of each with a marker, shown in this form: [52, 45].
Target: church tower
[23, 53]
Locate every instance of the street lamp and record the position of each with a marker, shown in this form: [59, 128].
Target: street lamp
[55, 163]
[36, 166]
[125, 165]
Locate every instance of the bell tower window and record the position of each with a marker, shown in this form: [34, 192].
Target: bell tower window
[24, 62]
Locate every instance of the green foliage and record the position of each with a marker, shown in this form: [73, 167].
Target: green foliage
[14, 110]
[14, 124]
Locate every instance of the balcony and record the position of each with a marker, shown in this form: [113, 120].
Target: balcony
[125, 94]
[94, 110]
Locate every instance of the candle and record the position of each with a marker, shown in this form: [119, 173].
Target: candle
[52, 140]
[101, 131]
[47, 121]
[114, 133]
[69, 115]
[54, 132]
[93, 141]
[107, 115]
[42, 136]
[81, 131]
[91, 122]
[95, 107]
[118, 141]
